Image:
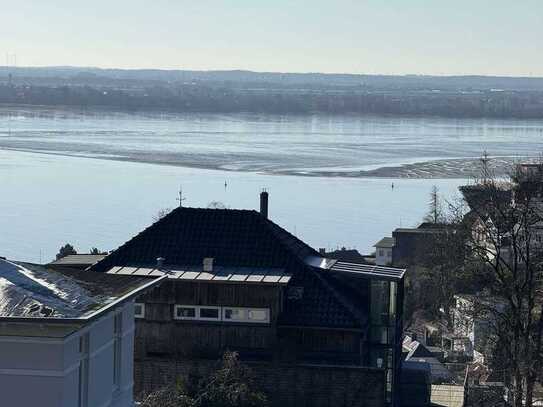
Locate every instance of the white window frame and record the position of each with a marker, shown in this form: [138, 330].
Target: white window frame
[246, 319]
[222, 314]
[200, 318]
[197, 312]
[142, 315]
[194, 318]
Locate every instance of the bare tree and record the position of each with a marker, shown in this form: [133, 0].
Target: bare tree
[232, 384]
[216, 205]
[161, 213]
[435, 213]
[170, 396]
[506, 245]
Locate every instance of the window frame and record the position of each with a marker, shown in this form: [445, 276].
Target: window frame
[246, 320]
[180, 318]
[221, 313]
[200, 318]
[142, 315]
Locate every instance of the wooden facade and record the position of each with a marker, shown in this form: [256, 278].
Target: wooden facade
[159, 334]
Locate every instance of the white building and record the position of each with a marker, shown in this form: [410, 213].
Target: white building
[66, 338]
[383, 251]
[473, 321]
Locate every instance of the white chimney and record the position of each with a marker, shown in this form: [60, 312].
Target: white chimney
[208, 264]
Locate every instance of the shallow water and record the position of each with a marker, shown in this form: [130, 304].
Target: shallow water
[325, 145]
[49, 199]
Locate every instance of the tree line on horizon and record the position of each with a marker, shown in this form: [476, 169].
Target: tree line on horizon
[224, 98]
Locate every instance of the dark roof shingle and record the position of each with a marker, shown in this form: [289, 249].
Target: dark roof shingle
[184, 237]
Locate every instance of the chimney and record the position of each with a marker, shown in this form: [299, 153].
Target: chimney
[264, 203]
[159, 262]
[208, 264]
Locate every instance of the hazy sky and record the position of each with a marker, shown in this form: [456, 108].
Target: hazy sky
[498, 37]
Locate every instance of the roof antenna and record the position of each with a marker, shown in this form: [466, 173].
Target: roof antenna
[181, 198]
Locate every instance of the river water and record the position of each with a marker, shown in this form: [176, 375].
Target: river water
[95, 179]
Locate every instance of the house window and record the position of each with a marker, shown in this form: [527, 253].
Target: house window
[209, 313]
[251, 315]
[117, 350]
[139, 310]
[381, 252]
[185, 312]
[83, 387]
[225, 314]
[234, 314]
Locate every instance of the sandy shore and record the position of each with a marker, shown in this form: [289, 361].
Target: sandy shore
[453, 168]
[436, 169]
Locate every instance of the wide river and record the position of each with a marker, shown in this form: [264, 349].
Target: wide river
[96, 179]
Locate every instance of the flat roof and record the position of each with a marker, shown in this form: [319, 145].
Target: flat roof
[80, 259]
[435, 230]
[247, 275]
[369, 271]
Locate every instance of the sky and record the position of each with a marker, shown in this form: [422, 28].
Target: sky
[438, 37]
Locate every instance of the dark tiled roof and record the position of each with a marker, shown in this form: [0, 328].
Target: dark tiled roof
[184, 237]
[350, 255]
[320, 305]
[240, 238]
[387, 242]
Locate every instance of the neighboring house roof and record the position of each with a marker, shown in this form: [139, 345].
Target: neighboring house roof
[30, 291]
[420, 231]
[480, 196]
[368, 271]
[349, 255]
[417, 352]
[439, 372]
[78, 259]
[415, 349]
[385, 243]
[433, 225]
[241, 239]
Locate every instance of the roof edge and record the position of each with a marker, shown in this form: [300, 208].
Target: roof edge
[92, 316]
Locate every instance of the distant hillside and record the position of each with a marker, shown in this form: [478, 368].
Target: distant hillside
[280, 93]
[384, 82]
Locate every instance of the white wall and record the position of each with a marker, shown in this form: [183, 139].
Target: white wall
[44, 372]
[383, 256]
